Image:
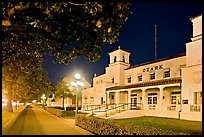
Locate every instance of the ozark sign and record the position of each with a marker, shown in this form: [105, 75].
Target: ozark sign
[152, 68]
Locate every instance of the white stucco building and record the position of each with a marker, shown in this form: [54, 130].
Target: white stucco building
[167, 87]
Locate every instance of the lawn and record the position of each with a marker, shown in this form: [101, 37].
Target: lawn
[185, 126]
[8, 116]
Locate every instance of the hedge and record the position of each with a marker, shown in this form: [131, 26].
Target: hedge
[101, 126]
[60, 113]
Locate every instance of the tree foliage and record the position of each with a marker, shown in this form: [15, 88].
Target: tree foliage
[69, 29]
[65, 30]
[63, 91]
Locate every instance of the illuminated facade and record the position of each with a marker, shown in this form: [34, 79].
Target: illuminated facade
[167, 87]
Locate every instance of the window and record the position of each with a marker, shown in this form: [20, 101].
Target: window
[185, 101]
[167, 74]
[115, 59]
[151, 94]
[176, 92]
[123, 59]
[112, 80]
[133, 95]
[101, 100]
[197, 97]
[139, 77]
[129, 79]
[149, 100]
[173, 99]
[152, 76]
[152, 100]
[112, 96]
[176, 97]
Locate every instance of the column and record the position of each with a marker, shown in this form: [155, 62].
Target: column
[143, 98]
[161, 98]
[117, 97]
[129, 98]
[107, 97]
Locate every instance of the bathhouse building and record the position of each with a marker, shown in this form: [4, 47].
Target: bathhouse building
[167, 87]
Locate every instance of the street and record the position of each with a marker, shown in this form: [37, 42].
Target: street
[36, 121]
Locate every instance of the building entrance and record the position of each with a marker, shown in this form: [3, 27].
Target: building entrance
[152, 101]
[133, 101]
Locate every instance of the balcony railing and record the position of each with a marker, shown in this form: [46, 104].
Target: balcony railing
[195, 108]
[171, 107]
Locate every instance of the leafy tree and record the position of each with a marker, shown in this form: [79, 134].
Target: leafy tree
[65, 30]
[69, 29]
[22, 72]
[63, 91]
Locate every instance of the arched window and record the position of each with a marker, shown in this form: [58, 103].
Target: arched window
[115, 59]
[123, 58]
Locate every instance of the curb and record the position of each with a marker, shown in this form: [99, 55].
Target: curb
[11, 122]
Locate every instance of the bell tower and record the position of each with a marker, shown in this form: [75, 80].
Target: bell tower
[119, 55]
[119, 61]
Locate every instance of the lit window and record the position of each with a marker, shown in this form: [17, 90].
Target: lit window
[139, 77]
[154, 100]
[167, 74]
[149, 100]
[152, 76]
[173, 99]
[129, 79]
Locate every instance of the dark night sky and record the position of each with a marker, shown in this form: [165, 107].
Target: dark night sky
[174, 30]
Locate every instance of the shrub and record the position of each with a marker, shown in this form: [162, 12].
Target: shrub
[60, 113]
[101, 126]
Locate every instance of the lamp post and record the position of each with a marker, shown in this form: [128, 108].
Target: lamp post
[77, 83]
[106, 103]
[43, 97]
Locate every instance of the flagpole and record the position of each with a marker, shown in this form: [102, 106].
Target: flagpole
[155, 42]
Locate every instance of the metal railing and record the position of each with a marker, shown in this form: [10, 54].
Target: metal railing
[113, 107]
[92, 107]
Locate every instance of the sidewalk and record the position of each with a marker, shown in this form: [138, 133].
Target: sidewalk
[36, 121]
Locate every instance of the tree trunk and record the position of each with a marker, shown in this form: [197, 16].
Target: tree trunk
[63, 102]
[9, 103]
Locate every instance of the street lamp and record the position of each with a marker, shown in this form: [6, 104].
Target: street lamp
[77, 83]
[43, 97]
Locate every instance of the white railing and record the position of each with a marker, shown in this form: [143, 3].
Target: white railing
[152, 107]
[171, 107]
[174, 107]
[195, 108]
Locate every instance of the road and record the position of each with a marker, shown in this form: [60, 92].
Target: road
[36, 121]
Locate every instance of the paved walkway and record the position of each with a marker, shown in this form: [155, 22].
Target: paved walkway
[36, 121]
